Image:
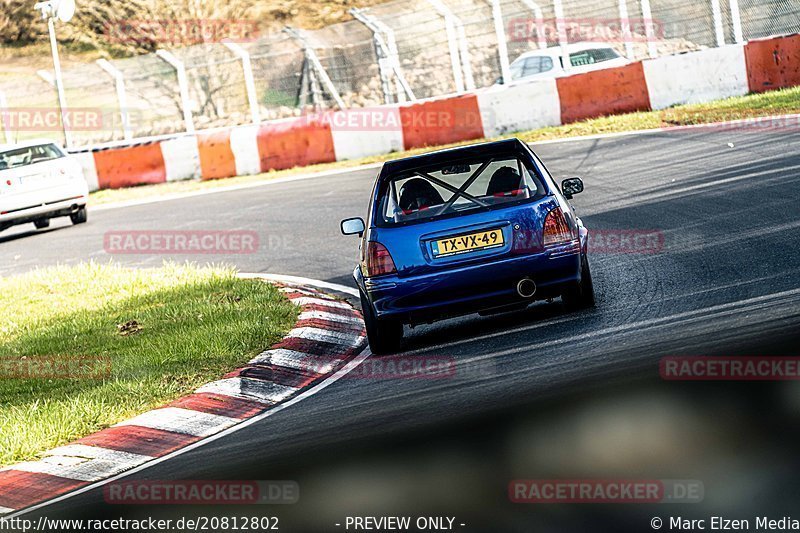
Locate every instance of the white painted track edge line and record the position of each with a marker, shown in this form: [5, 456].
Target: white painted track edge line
[330, 380]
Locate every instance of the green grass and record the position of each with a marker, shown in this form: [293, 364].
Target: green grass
[194, 325]
[786, 101]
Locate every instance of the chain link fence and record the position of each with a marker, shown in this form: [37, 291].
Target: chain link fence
[394, 52]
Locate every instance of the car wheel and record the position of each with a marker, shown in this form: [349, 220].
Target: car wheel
[80, 216]
[384, 336]
[581, 295]
[42, 223]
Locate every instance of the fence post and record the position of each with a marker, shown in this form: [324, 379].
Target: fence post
[719, 32]
[314, 61]
[402, 85]
[558, 9]
[122, 98]
[48, 77]
[382, 53]
[502, 47]
[647, 15]
[457, 26]
[736, 21]
[249, 81]
[62, 100]
[389, 50]
[3, 115]
[625, 26]
[183, 86]
[458, 75]
[541, 31]
[313, 80]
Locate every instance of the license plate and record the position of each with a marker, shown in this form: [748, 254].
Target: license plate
[32, 178]
[472, 242]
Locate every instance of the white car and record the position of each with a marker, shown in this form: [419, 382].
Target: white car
[549, 62]
[40, 181]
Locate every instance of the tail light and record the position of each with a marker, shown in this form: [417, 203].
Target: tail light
[556, 229]
[379, 261]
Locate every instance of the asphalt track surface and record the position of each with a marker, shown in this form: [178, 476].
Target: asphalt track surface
[726, 280]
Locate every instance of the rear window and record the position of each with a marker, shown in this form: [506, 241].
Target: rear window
[589, 57]
[19, 157]
[450, 189]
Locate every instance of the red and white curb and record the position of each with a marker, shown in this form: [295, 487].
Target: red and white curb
[327, 342]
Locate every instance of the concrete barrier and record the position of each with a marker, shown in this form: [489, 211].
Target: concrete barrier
[216, 156]
[244, 145]
[603, 92]
[86, 160]
[773, 63]
[364, 132]
[696, 77]
[132, 165]
[520, 107]
[441, 121]
[295, 142]
[181, 158]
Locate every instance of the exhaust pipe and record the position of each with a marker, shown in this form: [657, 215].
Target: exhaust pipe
[526, 288]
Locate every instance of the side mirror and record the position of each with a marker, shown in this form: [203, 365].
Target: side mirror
[353, 226]
[571, 187]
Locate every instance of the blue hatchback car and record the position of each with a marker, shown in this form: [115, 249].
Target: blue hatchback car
[481, 228]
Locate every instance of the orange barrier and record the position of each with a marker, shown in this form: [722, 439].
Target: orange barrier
[603, 92]
[133, 165]
[216, 156]
[773, 63]
[295, 142]
[442, 121]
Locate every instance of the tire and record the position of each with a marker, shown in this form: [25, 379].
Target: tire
[42, 223]
[80, 216]
[581, 295]
[384, 336]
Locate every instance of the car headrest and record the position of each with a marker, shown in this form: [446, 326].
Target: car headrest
[417, 193]
[504, 180]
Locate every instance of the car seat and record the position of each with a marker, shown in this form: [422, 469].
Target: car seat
[417, 194]
[505, 180]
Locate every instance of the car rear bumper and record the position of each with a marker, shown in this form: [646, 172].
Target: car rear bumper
[20, 214]
[474, 288]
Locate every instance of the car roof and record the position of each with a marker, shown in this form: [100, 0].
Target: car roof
[26, 144]
[511, 146]
[556, 50]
